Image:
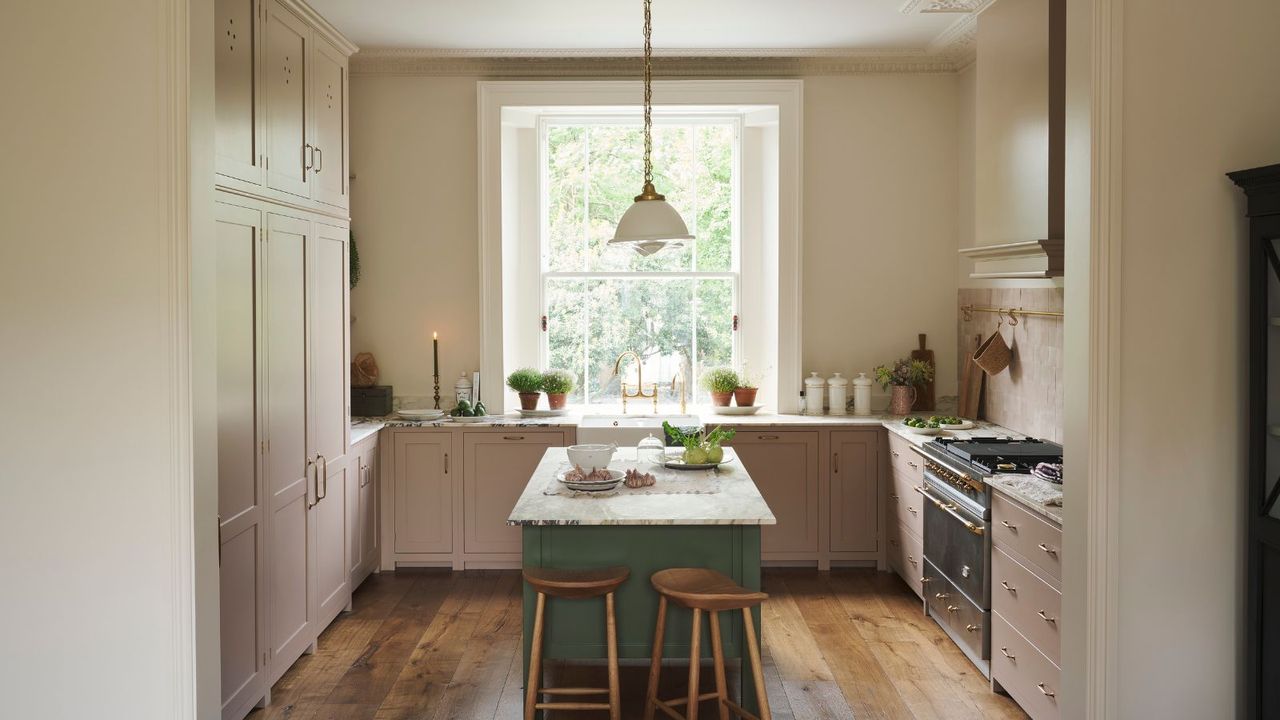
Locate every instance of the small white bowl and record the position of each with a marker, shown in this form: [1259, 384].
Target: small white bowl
[590, 457]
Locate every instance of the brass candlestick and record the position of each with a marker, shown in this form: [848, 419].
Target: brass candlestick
[436, 379]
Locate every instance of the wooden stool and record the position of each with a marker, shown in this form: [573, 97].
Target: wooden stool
[573, 584]
[702, 589]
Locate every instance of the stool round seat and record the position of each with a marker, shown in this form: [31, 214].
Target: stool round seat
[566, 583]
[705, 589]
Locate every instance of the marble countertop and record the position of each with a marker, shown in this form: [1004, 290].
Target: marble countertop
[1032, 493]
[737, 501]
[362, 429]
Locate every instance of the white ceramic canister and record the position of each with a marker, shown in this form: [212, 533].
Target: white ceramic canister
[462, 388]
[813, 394]
[862, 395]
[837, 394]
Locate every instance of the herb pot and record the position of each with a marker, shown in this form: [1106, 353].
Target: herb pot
[903, 398]
[721, 399]
[529, 400]
[555, 400]
[745, 397]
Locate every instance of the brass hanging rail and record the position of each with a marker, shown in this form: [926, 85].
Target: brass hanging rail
[969, 310]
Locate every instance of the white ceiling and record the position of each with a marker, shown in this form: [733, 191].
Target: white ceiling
[575, 26]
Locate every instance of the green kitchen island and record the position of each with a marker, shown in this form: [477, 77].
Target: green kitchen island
[687, 519]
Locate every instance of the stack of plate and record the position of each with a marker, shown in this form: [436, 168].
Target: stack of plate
[615, 477]
[426, 414]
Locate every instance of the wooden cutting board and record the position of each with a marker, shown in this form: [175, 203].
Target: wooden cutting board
[971, 379]
[925, 399]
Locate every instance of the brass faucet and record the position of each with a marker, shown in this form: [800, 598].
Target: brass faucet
[639, 393]
[680, 381]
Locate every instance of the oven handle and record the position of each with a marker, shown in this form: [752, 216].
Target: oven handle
[950, 509]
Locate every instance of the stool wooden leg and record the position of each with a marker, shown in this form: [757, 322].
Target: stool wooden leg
[615, 700]
[655, 659]
[695, 662]
[717, 653]
[534, 680]
[753, 648]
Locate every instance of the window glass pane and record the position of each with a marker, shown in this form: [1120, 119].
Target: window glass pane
[567, 330]
[714, 182]
[565, 249]
[713, 310]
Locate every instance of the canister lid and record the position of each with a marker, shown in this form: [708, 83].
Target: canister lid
[837, 379]
[814, 381]
[862, 380]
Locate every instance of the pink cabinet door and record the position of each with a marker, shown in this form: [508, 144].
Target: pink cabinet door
[496, 469]
[241, 509]
[422, 483]
[290, 470]
[329, 123]
[784, 466]
[369, 512]
[854, 504]
[237, 130]
[286, 42]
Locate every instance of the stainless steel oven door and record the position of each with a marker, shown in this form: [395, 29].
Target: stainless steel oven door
[958, 544]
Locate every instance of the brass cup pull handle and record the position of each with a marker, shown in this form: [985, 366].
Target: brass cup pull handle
[1048, 549]
[1012, 528]
[1046, 691]
[952, 609]
[972, 628]
[1005, 652]
[1005, 585]
[1046, 618]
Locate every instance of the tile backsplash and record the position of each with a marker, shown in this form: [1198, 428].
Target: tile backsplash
[1027, 395]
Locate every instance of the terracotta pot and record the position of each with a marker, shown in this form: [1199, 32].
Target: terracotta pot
[745, 397]
[555, 400]
[721, 399]
[529, 400]
[903, 398]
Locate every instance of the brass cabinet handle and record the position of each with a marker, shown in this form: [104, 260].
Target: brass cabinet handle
[308, 158]
[512, 437]
[1005, 652]
[926, 580]
[941, 596]
[912, 561]
[1012, 528]
[952, 608]
[912, 465]
[315, 483]
[1005, 585]
[893, 542]
[918, 489]
[950, 509]
[319, 165]
[893, 453]
[1047, 693]
[835, 462]
[1048, 549]
[446, 463]
[766, 437]
[972, 628]
[913, 511]
[893, 496]
[1046, 618]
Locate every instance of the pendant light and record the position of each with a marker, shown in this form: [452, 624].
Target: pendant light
[650, 224]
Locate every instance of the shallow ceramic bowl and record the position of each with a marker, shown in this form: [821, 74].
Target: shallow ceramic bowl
[590, 457]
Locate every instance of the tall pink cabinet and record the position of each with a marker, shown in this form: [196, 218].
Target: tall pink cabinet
[286, 485]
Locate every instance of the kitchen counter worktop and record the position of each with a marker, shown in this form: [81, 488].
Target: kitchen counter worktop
[362, 429]
[1032, 493]
[737, 501]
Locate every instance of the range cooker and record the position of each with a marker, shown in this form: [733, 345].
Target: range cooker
[957, 531]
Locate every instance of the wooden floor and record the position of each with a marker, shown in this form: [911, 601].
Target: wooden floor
[435, 645]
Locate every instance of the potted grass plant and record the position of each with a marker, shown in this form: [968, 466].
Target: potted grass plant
[557, 384]
[527, 383]
[904, 376]
[748, 385]
[720, 382]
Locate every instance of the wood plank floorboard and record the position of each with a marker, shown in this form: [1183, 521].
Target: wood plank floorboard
[425, 644]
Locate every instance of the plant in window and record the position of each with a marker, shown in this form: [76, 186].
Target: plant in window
[748, 386]
[527, 382]
[557, 384]
[720, 382]
[904, 376]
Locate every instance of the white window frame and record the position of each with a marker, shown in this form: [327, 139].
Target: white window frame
[776, 119]
[734, 274]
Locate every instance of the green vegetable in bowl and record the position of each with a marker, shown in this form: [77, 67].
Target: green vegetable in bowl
[947, 420]
[921, 423]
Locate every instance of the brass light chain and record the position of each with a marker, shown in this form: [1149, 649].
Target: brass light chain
[648, 193]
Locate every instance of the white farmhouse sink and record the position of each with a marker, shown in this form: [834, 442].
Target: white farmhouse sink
[627, 430]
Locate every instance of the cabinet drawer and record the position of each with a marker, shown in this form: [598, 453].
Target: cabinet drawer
[952, 609]
[905, 503]
[1026, 602]
[906, 555]
[901, 453]
[1020, 533]
[1027, 675]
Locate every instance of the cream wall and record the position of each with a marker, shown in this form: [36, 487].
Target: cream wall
[879, 191]
[1198, 101]
[966, 168]
[94, 614]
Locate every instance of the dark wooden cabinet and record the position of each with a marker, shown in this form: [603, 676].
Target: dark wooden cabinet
[1262, 632]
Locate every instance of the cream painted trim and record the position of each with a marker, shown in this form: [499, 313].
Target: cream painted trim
[174, 202]
[788, 95]
[321, 25]
[1102, 535]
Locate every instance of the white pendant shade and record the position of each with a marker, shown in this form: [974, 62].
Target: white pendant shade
[650, 225]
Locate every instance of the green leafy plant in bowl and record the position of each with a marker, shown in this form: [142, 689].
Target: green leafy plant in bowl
[527, 382]
[700, 447]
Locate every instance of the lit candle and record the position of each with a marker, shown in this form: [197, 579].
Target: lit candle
[435, 352]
